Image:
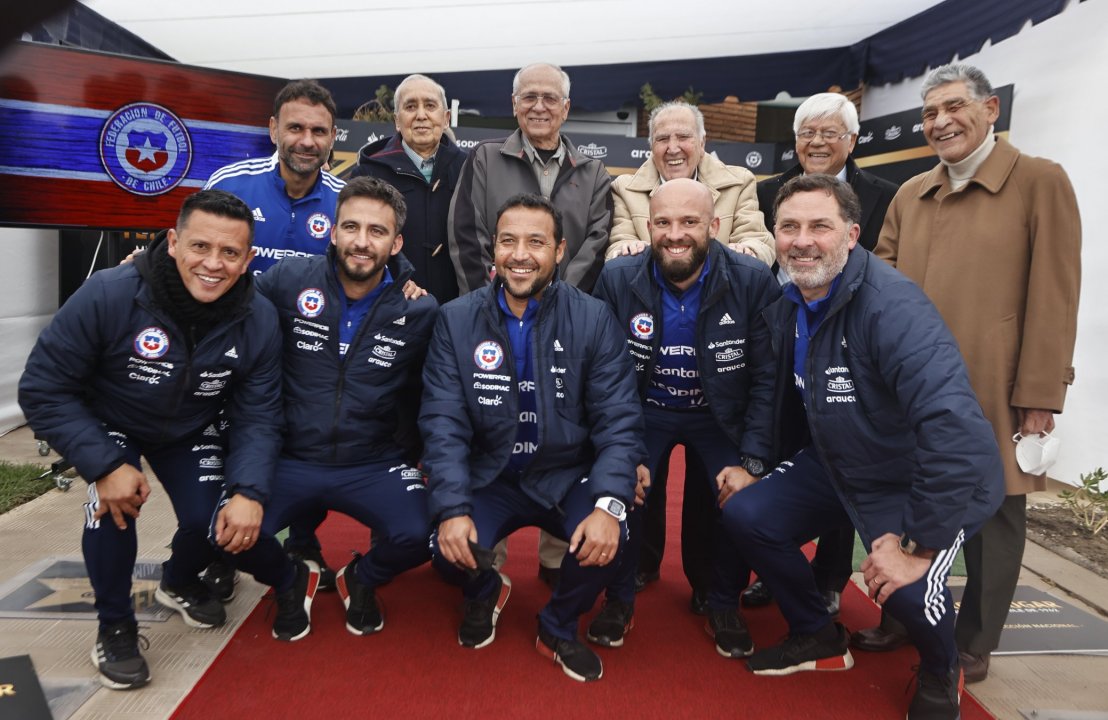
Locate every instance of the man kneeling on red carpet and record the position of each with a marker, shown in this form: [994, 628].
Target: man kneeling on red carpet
[530, 416]
[880, 429]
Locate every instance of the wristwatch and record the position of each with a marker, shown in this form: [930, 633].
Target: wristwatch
[754, 466]
[908, 546]
[613, 506]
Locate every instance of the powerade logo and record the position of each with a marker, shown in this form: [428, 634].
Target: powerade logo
[145, 149]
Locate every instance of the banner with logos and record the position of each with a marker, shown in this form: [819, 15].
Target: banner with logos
[619, 154]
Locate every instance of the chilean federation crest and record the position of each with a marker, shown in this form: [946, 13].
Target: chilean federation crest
[145, 149]
[319, 225]
[152, 343]
[642, 326]
[488, 355]
[311, 302]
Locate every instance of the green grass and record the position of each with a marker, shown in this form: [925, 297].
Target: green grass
[19, 483]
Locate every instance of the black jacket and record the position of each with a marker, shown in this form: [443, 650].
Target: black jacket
[874, 194]
[358, 409]
[590, 419]
[733, 352]
[425, 236]
[889, 406]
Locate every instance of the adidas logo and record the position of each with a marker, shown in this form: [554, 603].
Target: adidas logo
[557, 346]
[258, 217]
[726, 319]
[232, 353]
[400, 320]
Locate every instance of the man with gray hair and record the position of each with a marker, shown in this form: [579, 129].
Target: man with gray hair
[826, 129]
[677, 138]
[989, 211]
[536, 158]
[424, 165]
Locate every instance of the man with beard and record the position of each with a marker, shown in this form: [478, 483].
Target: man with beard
[880, 429]
[353, 350]
[691, 313]
[530, 352]
[293, 201]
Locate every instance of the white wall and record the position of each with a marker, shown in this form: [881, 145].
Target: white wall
[29, 277]
[1059, 111]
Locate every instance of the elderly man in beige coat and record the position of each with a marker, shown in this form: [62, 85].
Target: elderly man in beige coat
[677, 138]
[993, 237]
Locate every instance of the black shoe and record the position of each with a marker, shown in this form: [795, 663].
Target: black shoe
[220, 579]
[575, 657]
[116, 655]
[363, 614]
[729, 629]
[612, 623]
[834, 600]
[826, 650]
[326, 574]
[975, 668]
[195, 603]
[937, 697]
[479, 617]
[698, 602]
[550, 576]
[294, 606]
[878, 639]
[644, 578]
[757, 595]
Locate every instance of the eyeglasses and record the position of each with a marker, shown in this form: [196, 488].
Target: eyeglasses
[829, 136]
[531, 99]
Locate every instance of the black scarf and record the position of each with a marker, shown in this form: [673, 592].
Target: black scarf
[194, 318]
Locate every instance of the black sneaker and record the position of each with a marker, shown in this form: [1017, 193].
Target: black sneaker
[575, 657]
[326, 574]
[195, 603]
[294, 606]
[613, 622]
[116, 655]
[220, 579]
[937, 697]
[644, 578]
[729, 629]
[363, 614]
[479, 617]
[757, 595]
[826, 650]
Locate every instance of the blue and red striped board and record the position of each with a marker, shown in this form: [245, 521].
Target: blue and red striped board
[96, 140]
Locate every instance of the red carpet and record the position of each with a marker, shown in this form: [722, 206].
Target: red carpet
[414, 668]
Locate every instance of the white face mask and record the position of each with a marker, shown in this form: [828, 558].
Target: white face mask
[1036, 454]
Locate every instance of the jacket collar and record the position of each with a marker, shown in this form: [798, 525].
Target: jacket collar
[646, 287]
[491, 300]
[710, 171]
[389, 151]
[513, 145]
[399, 266]
[992, 174]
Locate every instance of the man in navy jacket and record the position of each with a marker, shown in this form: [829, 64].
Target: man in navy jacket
[880, 429]
[530, 417]
[690, 309]
[353, 351]
[142, 360]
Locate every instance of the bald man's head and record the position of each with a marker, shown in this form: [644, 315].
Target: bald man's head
[682, 224]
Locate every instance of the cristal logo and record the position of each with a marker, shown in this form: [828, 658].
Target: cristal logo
[593, 150]
[892, 133]
[840, 384]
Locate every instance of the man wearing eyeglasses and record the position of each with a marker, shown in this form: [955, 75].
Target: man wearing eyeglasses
[536, 158]
[826, 128]
[993, 237]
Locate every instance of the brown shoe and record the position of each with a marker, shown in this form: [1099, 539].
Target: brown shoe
[877, 639]
[975, 668]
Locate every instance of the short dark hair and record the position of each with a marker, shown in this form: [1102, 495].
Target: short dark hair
[850, 209]
[216, 202]
[534, 202]
[374, 189]
[309, 90]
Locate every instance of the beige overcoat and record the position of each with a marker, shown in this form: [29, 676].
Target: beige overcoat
[1001, 259]
[734, 193]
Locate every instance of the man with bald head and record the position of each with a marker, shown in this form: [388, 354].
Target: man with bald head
[691, 310]
[677, 138]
